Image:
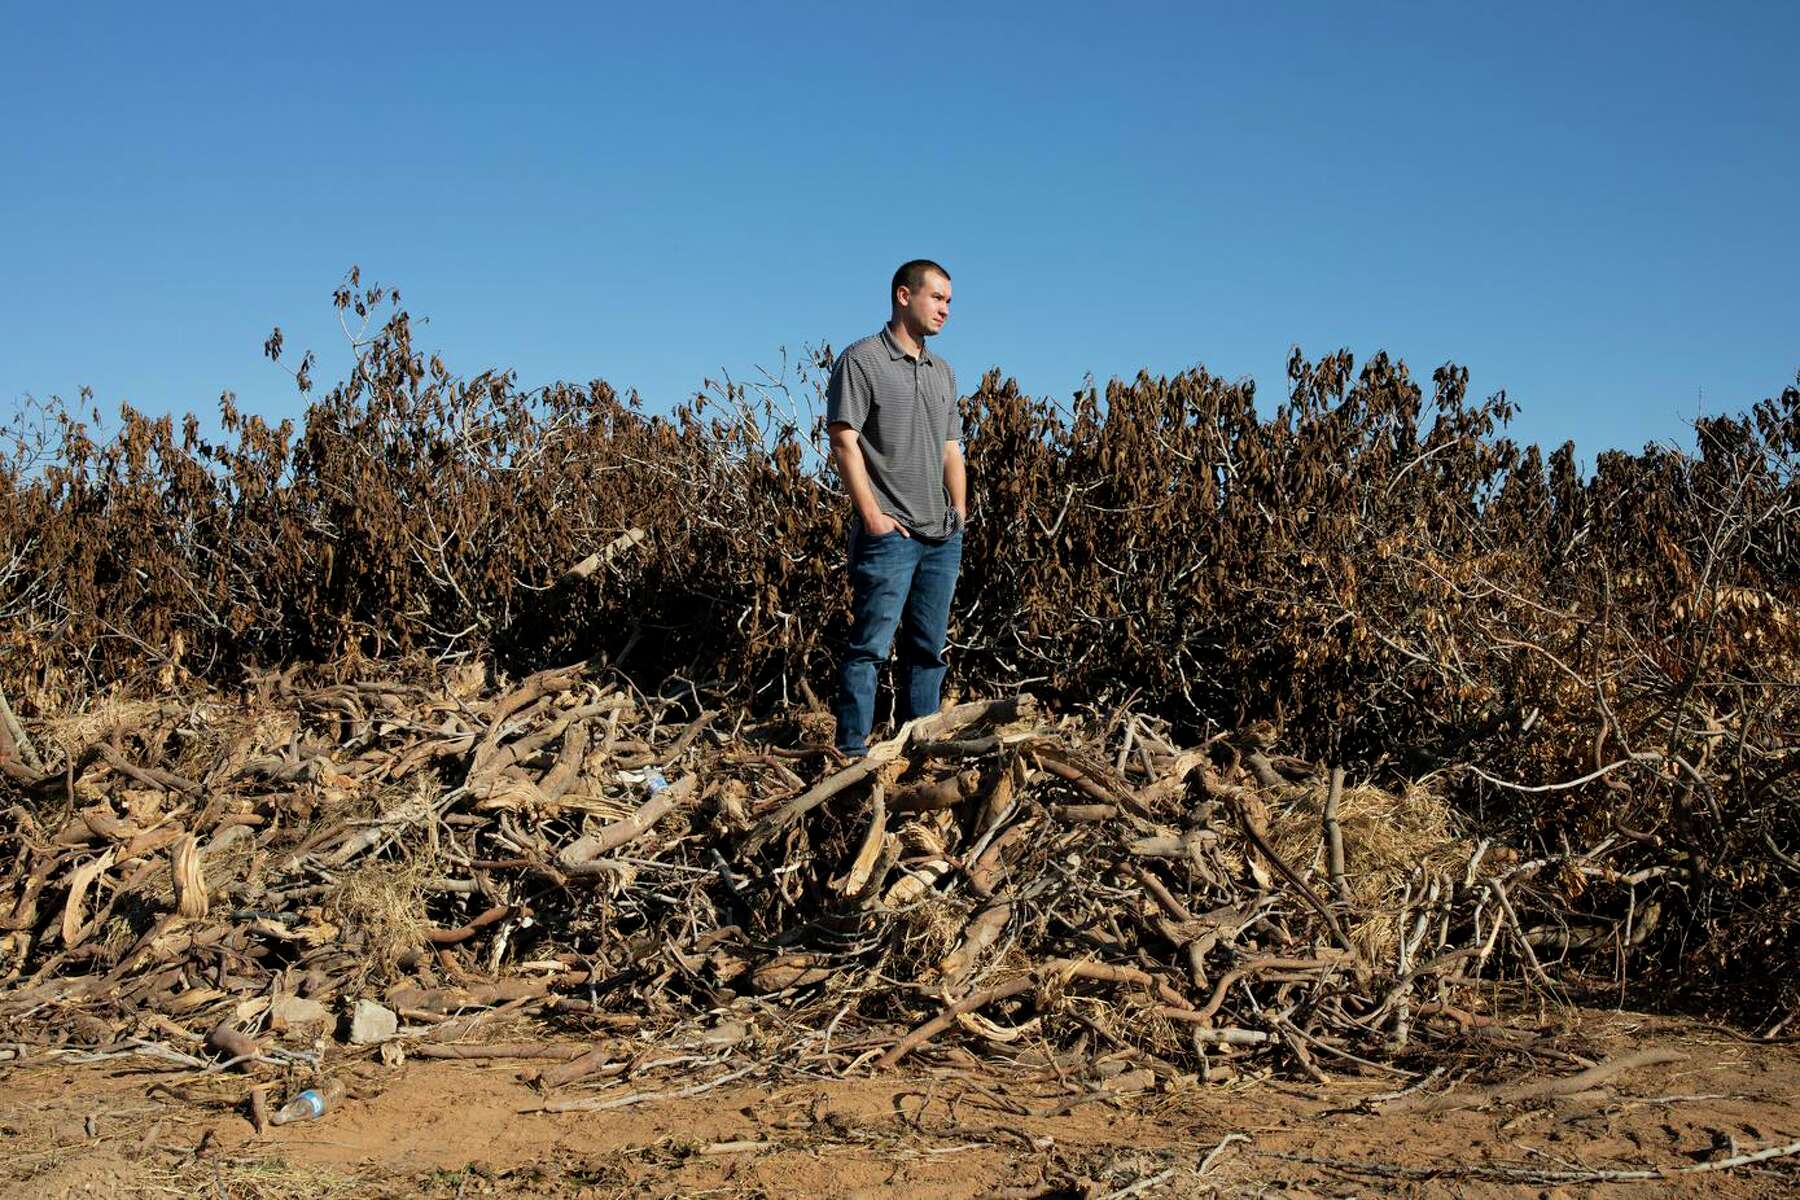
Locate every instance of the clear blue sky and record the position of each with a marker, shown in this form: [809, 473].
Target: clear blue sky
[1591, 206]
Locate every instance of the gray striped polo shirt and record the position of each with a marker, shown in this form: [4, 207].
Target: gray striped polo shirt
[903, 410]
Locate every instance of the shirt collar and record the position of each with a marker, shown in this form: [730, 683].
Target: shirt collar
[895, 351]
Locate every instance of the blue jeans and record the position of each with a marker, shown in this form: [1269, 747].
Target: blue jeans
[902, 583]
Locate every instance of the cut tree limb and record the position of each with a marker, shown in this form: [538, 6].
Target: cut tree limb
[610, 837]
[14, 733]
[1057, 970]
[593, 562]
[1334, 837]
[920, 729]
[1564, 1085]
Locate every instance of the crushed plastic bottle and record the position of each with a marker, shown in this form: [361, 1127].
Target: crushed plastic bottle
[654, 782]
[311, 1104]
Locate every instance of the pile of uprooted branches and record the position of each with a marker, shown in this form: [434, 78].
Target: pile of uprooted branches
[243, 874]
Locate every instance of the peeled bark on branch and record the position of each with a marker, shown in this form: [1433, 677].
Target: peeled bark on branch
[852, 882]
[982, 931]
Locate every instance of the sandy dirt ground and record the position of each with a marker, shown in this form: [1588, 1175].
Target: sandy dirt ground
[132, 1127]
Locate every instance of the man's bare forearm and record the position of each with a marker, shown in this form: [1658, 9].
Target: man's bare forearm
[956, 479]
[846, 448]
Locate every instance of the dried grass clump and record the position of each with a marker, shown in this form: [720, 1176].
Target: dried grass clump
[1391, 840]
[931, 928]
[92, 720]
[271, 1178]
[383, 904]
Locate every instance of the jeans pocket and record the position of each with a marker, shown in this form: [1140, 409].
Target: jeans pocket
[859, 533]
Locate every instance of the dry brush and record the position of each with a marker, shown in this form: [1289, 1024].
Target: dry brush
[1372, 569]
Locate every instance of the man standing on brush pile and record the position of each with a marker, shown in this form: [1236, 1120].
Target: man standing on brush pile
[896, 437]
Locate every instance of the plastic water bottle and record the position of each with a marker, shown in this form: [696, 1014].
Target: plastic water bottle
[311, 1104]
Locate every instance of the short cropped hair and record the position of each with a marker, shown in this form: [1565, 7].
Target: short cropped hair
[912, 274]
